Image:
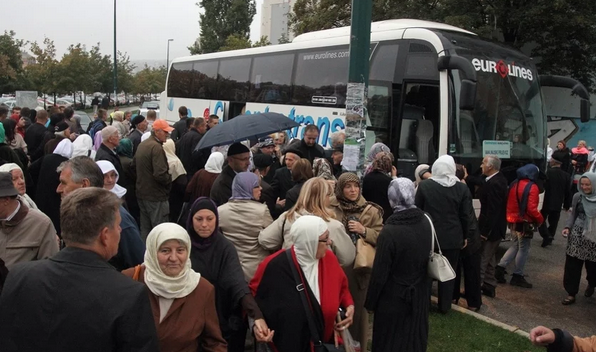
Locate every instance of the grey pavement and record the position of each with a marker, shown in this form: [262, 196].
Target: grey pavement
[541, 305]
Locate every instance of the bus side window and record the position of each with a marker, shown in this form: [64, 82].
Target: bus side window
[271, 78]
[420, 121]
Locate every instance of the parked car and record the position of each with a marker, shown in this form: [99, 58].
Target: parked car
[149, 105]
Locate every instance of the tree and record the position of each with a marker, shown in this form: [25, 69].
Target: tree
[74, 74]
[263, 41]
[284, 39]
[222, 19]
[11, 63]
[44, 73]
[235, 42]
[150, 80]
[561, 33]
[100, 67]
[125, 73]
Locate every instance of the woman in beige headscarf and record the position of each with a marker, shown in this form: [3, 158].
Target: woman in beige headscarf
[183, 302]
[179, 180]
[18, 180]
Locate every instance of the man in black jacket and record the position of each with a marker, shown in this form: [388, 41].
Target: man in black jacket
[238, 161]
[282, 180]
[267, 146]
[180, 127]
[107, 151]
[36, 135]
[308, 146]
[492, 221]
[263, 164]
[557, 193]
[75, 298]
[187, 144]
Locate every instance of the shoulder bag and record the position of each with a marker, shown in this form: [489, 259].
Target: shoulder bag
[438, 266]
[365, 252]
[318, 345]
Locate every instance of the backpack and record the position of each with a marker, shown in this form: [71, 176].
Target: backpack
[95, 127]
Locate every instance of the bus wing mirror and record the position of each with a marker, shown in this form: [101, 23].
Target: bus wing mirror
[584, 113]
[467, 96]
[575, 86]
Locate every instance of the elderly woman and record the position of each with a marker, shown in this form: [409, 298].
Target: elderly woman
[580, 231]
[361, 219]
[325, 286]
[201, 183]
[422, 173]
[83, 146]
[313, 200]
[215, 257]
[301, 172]
[370, 157]
[110, 178]
[399, 291]
[118, 123]
[183, 302]
[321, 167]
[449, 203]
[18, 181]
[179, 179]
[376, 183]
[242, 219]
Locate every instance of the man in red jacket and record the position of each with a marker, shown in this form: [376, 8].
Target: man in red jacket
[523, 217]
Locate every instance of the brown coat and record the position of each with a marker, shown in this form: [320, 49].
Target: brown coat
[587, 344]
[191, 320]
[371, 218]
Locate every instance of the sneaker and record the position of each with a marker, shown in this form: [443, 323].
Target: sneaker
[500, 274]
[489, 290]
[520, 281]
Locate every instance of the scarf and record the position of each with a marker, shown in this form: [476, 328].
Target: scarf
[64, 148]
[421, 170]
[215, 162]
[443, 171]
[243, 185]
[159, 283]
[306, 231]
[401, 194]
[125, 148]
[383, 163]
[107, 166]
[347, 206]
[374, 150]
[580, 150]
[322, 168]
[176, 168]
[589, 204]
[83, 146]
[198, 241]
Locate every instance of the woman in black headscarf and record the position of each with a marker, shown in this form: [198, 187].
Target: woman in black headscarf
[399, 290]
[216, 259]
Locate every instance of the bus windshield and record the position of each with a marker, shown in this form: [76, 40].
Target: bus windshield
[508, 118]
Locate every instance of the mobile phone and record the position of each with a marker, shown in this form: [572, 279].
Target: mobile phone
[342, 314]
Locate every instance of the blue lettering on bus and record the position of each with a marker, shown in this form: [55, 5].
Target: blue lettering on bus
[325, 125]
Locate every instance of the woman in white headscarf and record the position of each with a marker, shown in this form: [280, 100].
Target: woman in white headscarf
[179, 180]
[201, 183]
[64, 148]
[18, 181]
[110, 178]
[183, 301]
[83, 146]
[449, 204]
[324, 282]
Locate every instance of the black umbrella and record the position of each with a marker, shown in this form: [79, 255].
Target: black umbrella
[245, 127]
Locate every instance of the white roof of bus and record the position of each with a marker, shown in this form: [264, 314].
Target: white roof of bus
[383, 30]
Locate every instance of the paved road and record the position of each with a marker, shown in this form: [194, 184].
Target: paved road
[541, 305]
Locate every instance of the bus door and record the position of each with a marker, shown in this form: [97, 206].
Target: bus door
[380, 110]
[417, 126]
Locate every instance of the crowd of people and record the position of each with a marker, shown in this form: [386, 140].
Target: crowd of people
[151, 244]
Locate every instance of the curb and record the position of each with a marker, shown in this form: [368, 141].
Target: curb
[513, 329]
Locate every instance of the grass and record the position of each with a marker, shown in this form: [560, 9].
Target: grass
[459, 332]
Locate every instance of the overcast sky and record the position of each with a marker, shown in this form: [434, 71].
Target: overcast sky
[143, 26]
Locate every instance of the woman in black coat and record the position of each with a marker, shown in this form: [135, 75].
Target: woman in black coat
[376, 183]
[301, 172]
[449, 203]
[564, 154]
[399, 290]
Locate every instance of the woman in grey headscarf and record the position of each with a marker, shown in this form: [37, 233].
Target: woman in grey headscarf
[370, 157]
[399, 291]
[449, 203]
[580, 231]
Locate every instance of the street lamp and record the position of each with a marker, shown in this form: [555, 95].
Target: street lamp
[168, 55]
[115, 60]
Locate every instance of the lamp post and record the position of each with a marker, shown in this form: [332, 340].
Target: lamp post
[168, 55]
[115, 60]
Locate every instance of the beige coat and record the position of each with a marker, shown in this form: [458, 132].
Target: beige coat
[273, 239]
[370, 218]
[30, 235]
[241, 221]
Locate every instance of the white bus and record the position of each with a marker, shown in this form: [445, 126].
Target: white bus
[434, 89]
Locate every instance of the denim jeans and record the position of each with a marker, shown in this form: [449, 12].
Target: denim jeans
[519, 250]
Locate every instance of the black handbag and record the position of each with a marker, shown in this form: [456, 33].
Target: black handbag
[319, 346]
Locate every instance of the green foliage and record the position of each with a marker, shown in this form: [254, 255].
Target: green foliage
[125, 76]
[222, 19]
[561, 33]
[284, 39]
[150, 80]
[263, 41]
[11, 64]
[44, 73]
[235, 42]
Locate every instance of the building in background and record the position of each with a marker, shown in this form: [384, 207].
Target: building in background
[274, 20]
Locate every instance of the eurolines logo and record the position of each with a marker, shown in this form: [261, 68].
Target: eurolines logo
[502, 68]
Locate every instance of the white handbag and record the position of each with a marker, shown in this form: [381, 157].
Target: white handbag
[438, 266]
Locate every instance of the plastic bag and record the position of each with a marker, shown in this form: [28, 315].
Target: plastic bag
[350, 345]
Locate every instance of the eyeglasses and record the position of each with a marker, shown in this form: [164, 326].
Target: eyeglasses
[324, 240]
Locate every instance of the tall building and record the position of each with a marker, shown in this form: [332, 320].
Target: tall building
[274, 19]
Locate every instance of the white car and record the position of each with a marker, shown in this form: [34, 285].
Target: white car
[149, 105]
